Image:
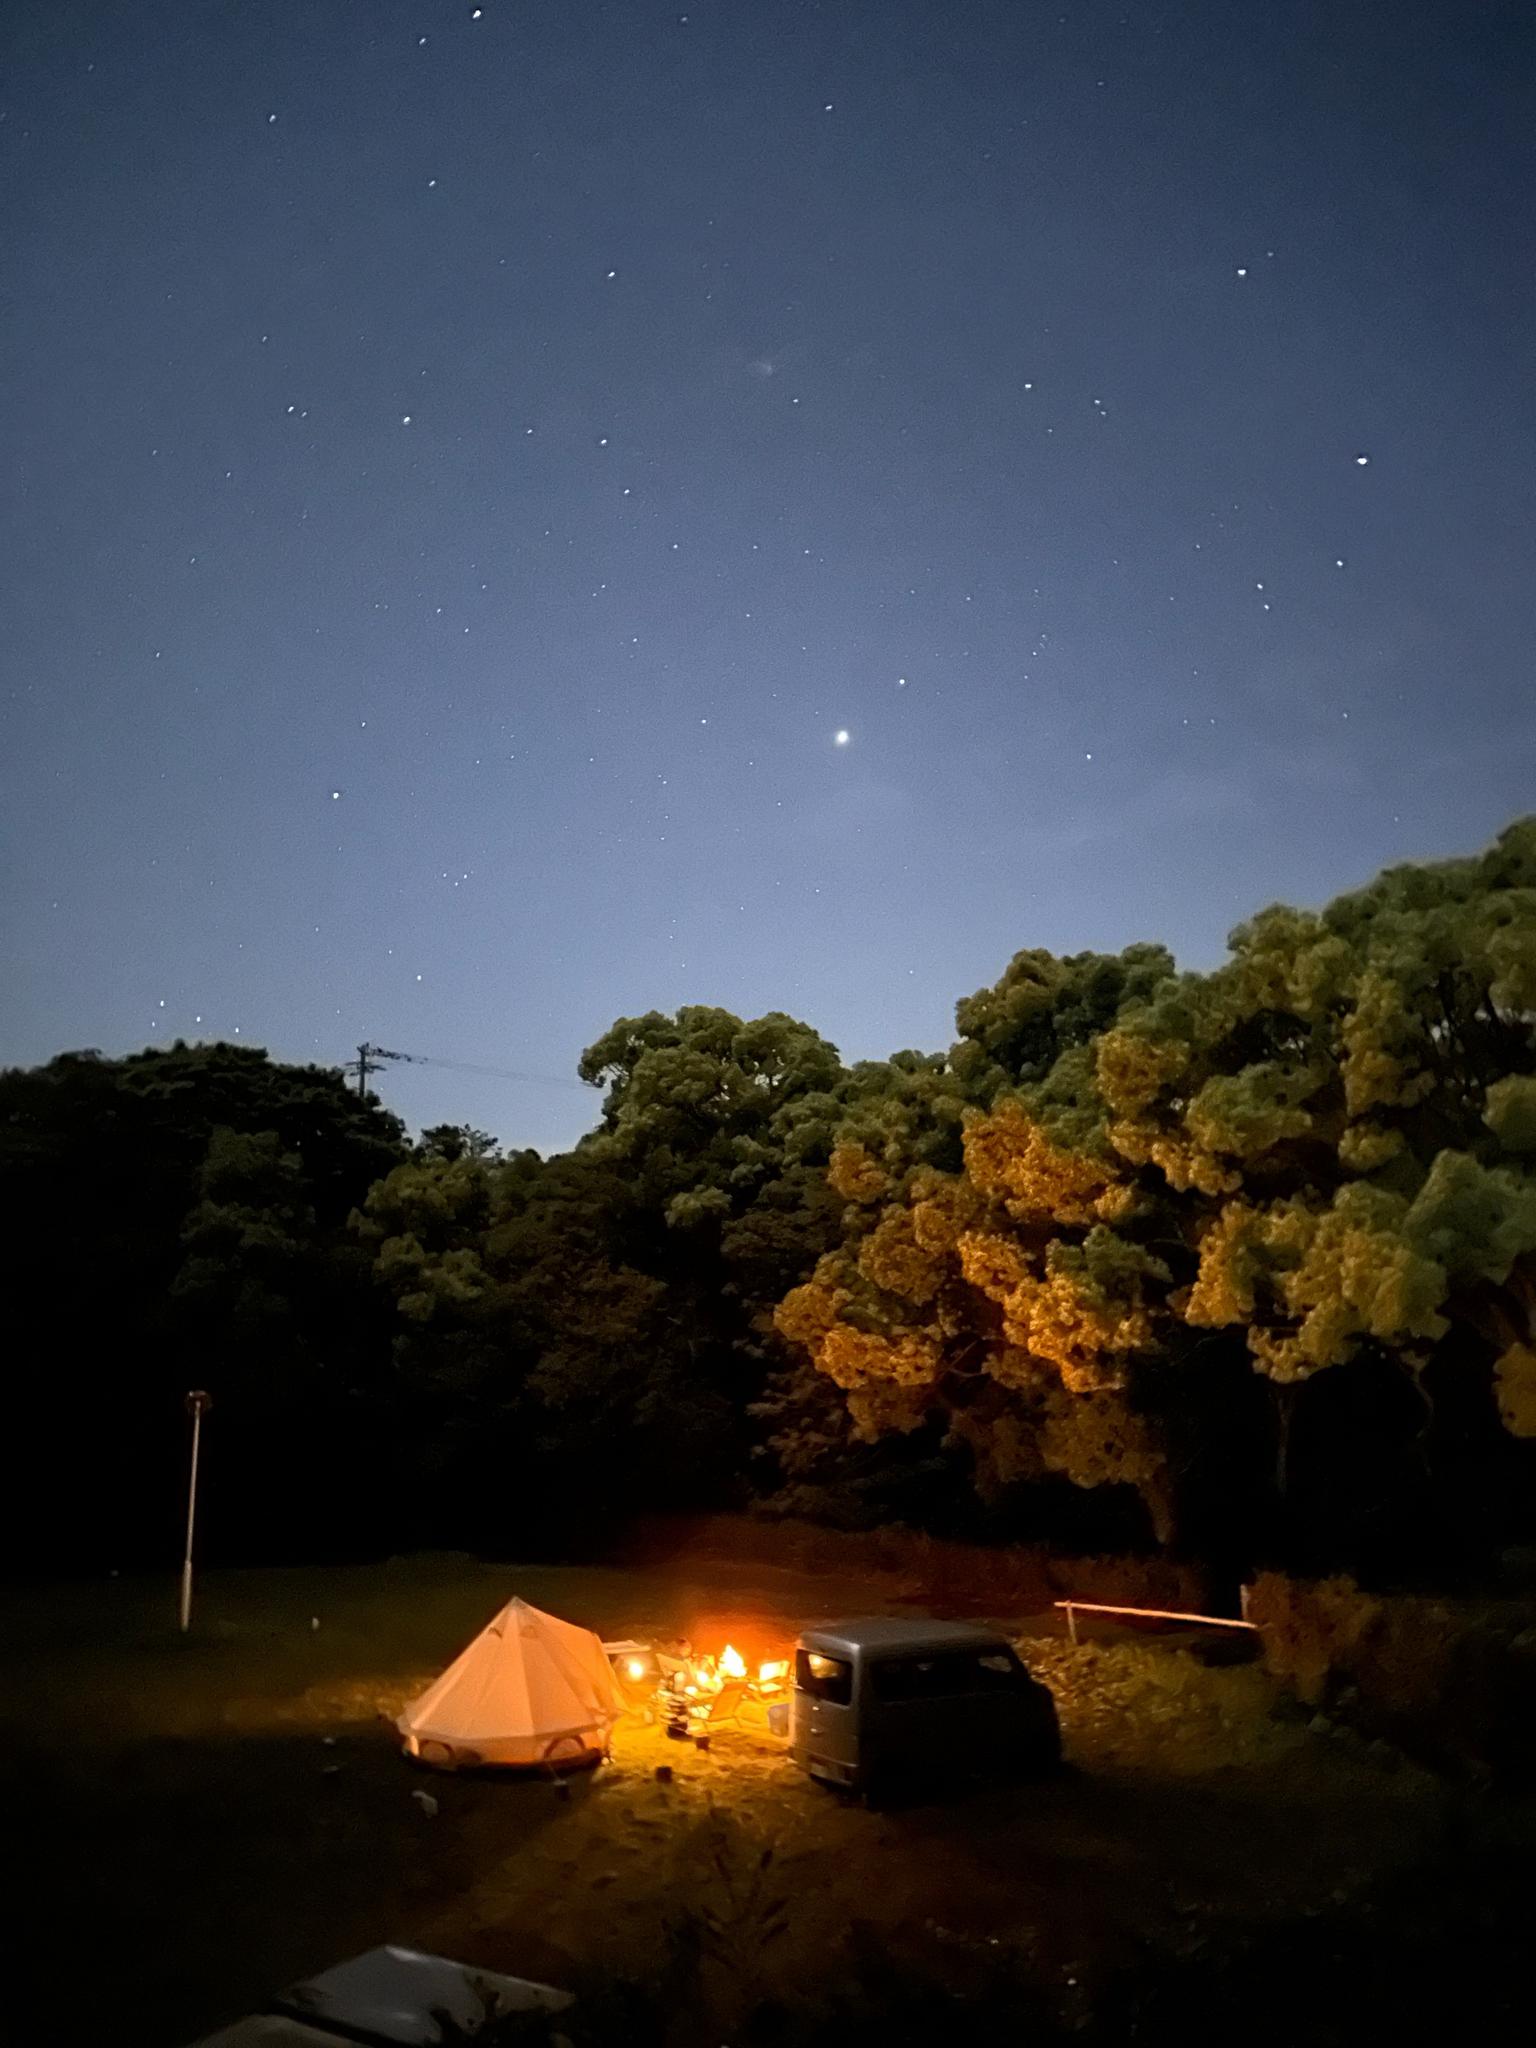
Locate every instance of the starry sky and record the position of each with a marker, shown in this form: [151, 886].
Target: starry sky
[525, 513]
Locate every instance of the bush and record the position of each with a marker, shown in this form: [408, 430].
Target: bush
[1312, 1632]
[1005, 1581]
[1451, 1682]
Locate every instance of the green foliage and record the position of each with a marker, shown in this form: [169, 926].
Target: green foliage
[1322, 1147]
[180, 1219]
[456, 1141]
[1475, 1221]
[245, 1240]
[1511, 1113]
[1043, 1006]
[602, 1319]
[1245, 1259]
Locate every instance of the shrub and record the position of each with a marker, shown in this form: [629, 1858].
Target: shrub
[1453, 1683]
[1312, 1632]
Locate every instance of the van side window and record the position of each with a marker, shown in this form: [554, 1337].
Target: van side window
[949, 1675]
[824, 1678]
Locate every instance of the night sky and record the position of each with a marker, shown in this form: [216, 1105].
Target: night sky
[522, 514]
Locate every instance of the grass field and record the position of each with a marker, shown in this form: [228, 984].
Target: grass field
[199, 1822]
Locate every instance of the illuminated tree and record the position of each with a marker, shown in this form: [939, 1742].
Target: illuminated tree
[1325, 1148]
[1003, 1297]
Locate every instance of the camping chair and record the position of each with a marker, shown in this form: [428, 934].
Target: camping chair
[722, 1707]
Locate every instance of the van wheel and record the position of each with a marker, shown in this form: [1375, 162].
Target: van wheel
[879, 1793]
[1038, 1759]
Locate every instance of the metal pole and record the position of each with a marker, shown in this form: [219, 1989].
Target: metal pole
[197, 1403]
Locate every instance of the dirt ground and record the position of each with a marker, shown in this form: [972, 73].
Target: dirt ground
[203, 1822]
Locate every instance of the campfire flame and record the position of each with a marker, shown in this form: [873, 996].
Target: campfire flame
[699, 1678]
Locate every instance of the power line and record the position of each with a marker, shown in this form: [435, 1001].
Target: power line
[370, 1060]
[508, 1073]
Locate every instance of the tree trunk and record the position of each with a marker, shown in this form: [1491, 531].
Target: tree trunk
[1285, 1397]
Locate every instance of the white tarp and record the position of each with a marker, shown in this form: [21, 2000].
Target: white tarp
[267, 2030]
[393, 1995]
[398, 1995]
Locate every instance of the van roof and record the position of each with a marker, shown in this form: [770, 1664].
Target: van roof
[897, 1634]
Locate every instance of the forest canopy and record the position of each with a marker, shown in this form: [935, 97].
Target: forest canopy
[1240, 1263]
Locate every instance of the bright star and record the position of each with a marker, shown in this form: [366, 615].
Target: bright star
[840, 737]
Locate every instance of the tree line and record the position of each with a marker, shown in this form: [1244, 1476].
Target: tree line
[1241, 1264]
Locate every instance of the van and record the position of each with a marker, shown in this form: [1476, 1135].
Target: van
[893, 1698]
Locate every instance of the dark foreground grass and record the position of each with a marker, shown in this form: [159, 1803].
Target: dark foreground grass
[201, 1820]
[197, 1823]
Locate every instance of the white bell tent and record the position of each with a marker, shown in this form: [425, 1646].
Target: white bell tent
[530, 1689]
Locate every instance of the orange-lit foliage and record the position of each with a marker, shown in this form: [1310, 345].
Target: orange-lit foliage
[1042, 1185]
[855, 1175]
[1325, 1148]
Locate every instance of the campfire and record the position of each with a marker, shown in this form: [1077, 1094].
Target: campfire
[713, 1674]
[691, 1693]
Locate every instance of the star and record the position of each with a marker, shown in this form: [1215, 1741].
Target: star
[841, 737]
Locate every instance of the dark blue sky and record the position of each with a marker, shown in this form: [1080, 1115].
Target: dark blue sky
[467, 466]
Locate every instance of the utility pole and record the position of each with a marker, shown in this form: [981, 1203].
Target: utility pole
[198, 1404]
[370, 1060]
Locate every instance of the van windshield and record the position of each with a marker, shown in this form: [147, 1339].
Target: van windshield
[949, 1674]
[824, 1678]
